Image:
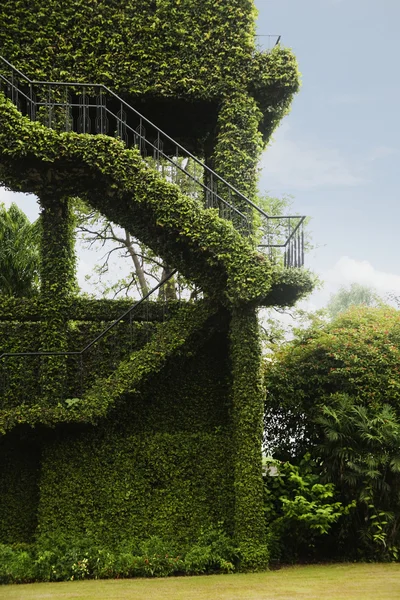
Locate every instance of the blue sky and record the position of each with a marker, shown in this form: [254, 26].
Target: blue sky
[338, 151]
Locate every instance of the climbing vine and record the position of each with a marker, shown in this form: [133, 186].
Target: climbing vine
[204, 247]
[197, 54]
[191, 49]
[185, 330]
[238, 145]
[247, 427]
[57, 286]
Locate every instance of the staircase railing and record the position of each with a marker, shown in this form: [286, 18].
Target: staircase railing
[268, 41]
[95, 109]
[22, 377]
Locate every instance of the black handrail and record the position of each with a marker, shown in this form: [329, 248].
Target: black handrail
[272, 37]
[218, 192]
[101, 335]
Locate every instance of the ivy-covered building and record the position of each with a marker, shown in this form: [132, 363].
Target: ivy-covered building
[155, 427]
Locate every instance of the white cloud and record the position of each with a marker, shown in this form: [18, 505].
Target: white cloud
[347, 271]
[26, 202]
[294, 164]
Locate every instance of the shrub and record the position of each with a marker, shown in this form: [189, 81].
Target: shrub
[213, 552]
[298, 509]
[16, 564]
[58, 558]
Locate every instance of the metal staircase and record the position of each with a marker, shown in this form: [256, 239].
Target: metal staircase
[78, 369]
[95, 109]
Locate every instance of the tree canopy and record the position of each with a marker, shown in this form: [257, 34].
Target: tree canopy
[334, 392]
[358, 353]
[354, 295]
[19, 253]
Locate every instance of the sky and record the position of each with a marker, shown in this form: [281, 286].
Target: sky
[337, 152]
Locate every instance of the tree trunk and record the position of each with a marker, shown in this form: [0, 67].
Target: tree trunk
[144, 288]
[168, 290]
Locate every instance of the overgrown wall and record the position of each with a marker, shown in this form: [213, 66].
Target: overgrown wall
[19, 381]
[19, 491]
[170, 442]
[196, 52]
[161, 464]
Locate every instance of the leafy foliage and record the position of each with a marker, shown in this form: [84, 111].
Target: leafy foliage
[59, 558]
[182, 333]
[198, 50]
[19, 253]
[358, 354]
[58, 284]
[298, 509]
[238, 143]
[334, 391]
[247, 429]
[160, 464]
[165, 410]
[355, 295]
[361, 454]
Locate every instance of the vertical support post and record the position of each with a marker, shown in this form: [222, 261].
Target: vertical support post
[247, 413]
[102, 128]
[81, 373]
[130, 332]
[57, 285]
[236, 153]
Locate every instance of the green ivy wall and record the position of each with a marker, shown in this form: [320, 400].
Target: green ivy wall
[161, 464]
[169, 441]
[19, 486]
[198, 51]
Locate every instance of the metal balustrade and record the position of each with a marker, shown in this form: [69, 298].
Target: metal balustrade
[24, 376]
[95, 109]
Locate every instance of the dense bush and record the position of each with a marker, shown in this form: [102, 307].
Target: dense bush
[298, 509]
[361, 453]
[358, 353]
[58, 558]
[335, 392]
[16, 564]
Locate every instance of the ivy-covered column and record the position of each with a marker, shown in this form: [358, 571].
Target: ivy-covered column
[57, 285]
[247, 412]
[238, 146]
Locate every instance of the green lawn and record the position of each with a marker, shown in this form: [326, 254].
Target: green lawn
[321, 582]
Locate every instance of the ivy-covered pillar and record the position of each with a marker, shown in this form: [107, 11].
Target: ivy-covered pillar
[237, 147]
[57, 285]
[247, 414]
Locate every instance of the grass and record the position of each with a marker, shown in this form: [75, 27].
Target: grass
[316, 582]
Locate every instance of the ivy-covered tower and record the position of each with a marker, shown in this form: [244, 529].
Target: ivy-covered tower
[120, 423]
